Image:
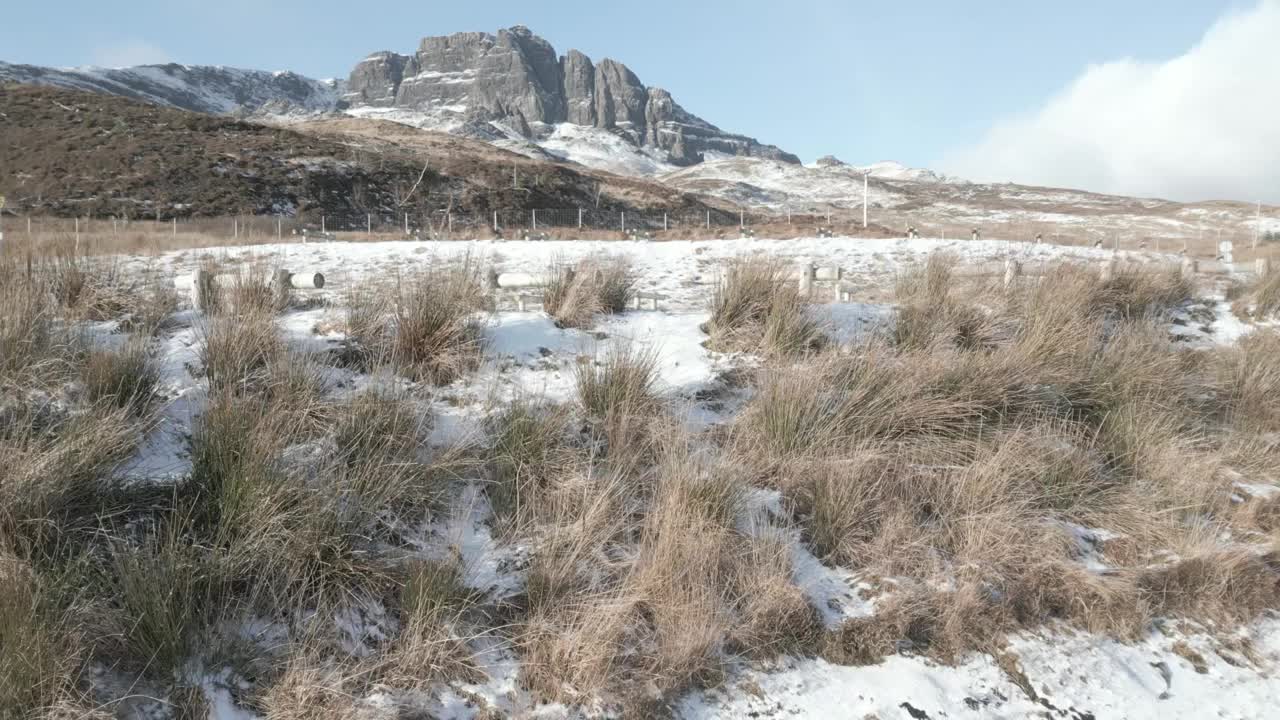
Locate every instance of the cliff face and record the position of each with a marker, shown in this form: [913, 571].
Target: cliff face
[516, 77]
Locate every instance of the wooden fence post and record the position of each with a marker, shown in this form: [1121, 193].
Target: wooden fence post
[202, 290]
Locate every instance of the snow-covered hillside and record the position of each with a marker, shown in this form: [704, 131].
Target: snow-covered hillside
[890, 170]
[776, 185]
[199, 88]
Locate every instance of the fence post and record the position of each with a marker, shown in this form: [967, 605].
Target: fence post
[1190, 266]
[664, 222]
[175, 225]
[406, 223]
[624, 221]
[788, 214]
[202, 290]
[579, 218]
[449, 216]
[742, 219]
[808, 273]
[533, 219]
[1012, 269]
[322, 228]
[279, 228]
[368, 224]
[495, 221]
[1108, 269]
[708, 219]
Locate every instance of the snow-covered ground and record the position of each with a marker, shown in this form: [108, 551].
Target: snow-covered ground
[1063, 673]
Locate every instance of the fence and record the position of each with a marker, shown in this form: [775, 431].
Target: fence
[124, 234]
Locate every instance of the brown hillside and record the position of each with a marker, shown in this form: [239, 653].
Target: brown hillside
[72, 153]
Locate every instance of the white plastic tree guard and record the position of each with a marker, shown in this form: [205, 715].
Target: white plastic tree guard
[524, 279]
[202, 283]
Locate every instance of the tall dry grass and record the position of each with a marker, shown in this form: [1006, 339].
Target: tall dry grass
[974, 466]
[755, 308]
[428, 325]
[596, 286]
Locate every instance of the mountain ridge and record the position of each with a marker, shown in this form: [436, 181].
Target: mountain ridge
[477, 84]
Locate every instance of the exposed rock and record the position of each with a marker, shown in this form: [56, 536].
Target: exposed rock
[830, 161]
[579, 88]
[375, 80]
[620, 99]
[466, 83]
[515, 78]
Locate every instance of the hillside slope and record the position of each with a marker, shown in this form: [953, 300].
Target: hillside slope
[76, 153]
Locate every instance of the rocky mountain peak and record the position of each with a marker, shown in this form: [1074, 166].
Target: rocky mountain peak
[517, 79]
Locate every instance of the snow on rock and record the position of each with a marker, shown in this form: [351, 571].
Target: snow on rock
[601, 149]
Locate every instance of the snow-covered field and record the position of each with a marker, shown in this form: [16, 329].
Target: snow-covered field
[1063, 673]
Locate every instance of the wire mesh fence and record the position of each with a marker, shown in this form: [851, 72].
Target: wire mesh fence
[126, 234]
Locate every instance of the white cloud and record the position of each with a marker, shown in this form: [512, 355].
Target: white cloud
[129, 54]
[1204, 125]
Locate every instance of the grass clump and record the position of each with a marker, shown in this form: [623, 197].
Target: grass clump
[126, 378]
[429, 326]
[596, 286]
[431, 645]
[622, 382]
[985, 467]
[756, 309]
[237, 351]
[42, 656]
[527, 453]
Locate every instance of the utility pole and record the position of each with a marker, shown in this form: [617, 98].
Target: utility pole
[1257, 226]
[865, 183]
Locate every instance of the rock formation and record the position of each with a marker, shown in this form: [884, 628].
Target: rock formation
[516, 78]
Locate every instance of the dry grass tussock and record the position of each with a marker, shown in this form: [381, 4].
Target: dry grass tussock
[646, 583]
[1259, 299]
[756, 308]
[601, 285]
[296, 503]
[978, 448]
[990, 459]
[428, 325]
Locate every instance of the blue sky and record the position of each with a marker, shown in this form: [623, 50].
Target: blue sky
[915, 82]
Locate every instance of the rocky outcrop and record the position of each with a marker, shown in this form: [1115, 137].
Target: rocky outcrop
[515, 78]
[579, 88]
[480, 84]
[376, 79]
